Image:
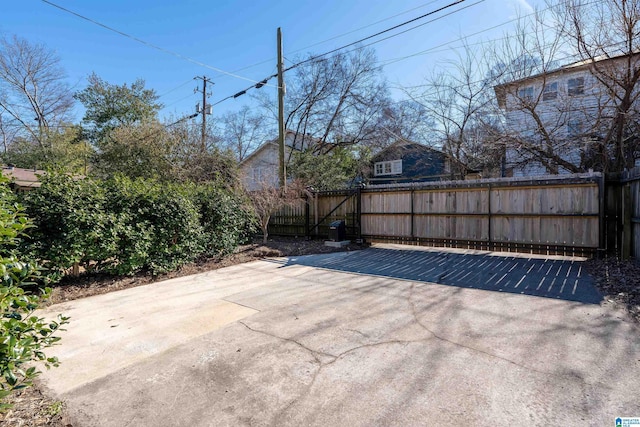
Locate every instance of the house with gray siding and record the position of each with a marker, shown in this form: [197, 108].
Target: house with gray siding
[562, 112]
[406, 161]
[260, 168]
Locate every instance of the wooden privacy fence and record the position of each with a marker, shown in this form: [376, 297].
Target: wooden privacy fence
[623, 213]
[559, 214]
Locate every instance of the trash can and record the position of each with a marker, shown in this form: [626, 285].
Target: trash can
[337, 231]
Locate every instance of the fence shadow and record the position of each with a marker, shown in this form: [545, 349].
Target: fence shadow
[549, 278]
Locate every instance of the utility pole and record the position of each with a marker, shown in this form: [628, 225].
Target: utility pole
[282, 172]
[206, 109]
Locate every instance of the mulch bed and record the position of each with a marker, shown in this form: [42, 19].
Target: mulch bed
[618, 280]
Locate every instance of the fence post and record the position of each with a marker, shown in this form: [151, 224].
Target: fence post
[489, 218]
[602, 206]
[315, 213]
[307, 232]
[413, 233]
[626, 221]
[359, 214]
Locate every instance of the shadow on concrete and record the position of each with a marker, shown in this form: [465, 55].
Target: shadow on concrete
[549, 278]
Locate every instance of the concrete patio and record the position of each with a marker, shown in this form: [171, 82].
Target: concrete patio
[354, 338]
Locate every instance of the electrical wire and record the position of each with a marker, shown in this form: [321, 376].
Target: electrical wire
[433, 49]
[317, 57]
[413, 28]
[337, 37]
[179, 100]
[176, 88]
[151, 45]
[313, 58]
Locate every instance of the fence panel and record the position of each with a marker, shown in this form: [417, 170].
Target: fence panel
[289, 221]
[629, 213]
[553, 214]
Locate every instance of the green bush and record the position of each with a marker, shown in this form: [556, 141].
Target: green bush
[71, 224]
[159, 225]
[23, 336]
[122, 226]
[226, 218]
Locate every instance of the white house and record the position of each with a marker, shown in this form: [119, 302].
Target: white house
[261, 167]
[553, 118]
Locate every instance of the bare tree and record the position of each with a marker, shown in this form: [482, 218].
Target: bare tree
[268, 199]
[537, 110]
[334, 99]
[34, 96]
[558, 129]
[459, 99]
[8, 132]
[243, 131]
[603, 30]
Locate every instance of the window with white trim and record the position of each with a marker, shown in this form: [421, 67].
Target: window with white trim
[257, 174]
[525, 93]
[392, 167]
[575, 86]
[550, 91]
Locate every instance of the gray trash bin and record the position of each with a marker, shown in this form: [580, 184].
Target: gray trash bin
[337, 231]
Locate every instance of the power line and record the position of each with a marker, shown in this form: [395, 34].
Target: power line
[417, 26]
[151, 45]
[316, 57]
[313, 58]
[338, 36]
[176, 88]
[179, 100]
[433, 49]
[366, 26]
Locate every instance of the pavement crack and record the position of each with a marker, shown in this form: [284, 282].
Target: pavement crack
[309, 386]
[491, 355]
[313, 352]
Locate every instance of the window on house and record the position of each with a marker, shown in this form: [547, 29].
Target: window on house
[574, 128]
[393, 167]
[575, 86]
[525, 93]
[257, 174]
[550, 91]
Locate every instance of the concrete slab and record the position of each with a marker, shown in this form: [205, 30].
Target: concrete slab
[318, 346]
[339, 244]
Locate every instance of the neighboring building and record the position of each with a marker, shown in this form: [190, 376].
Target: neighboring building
[22, 179]
[405, 161]
[261, 167]
[560, 110]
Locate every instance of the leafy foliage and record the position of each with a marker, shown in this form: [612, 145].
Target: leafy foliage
[141, 150]
[23, 336]
[339, 168]
[109, 106]
[124, 225]
[226, 218]
[71, 226]
[65, 150]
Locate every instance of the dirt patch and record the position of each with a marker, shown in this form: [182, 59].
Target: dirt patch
[619, 281]
[87, 285]
[32, 408]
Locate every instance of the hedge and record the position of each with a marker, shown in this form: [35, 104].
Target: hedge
[123, 226]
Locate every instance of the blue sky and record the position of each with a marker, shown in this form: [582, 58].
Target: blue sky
[232, 35]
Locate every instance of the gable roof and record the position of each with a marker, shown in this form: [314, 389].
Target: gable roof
[405, 145]
[274, 142]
